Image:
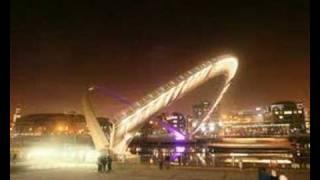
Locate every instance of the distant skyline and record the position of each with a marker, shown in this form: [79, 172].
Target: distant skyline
[59, 50]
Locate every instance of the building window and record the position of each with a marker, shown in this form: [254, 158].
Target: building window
[280, 117]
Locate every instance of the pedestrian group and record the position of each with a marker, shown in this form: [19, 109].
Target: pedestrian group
[104, 161]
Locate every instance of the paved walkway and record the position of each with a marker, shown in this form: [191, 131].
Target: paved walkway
[142, 172]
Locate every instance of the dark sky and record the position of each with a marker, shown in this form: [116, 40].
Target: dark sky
[59, 48]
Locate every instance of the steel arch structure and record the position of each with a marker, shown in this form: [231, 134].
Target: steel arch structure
[129, 121]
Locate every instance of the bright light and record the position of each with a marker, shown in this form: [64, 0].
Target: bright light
[41, 153]
[180, 149]
[265, 161]
[138, 134]
[287, 112]
[60, 128]
[91, 155]
[238, 154]
[224, 116]
[179, 136]
[194, 124]
[62, 154]
[171, 117]
[283, 177]
[211, 128]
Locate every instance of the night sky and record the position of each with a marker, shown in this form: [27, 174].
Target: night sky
[58, 49]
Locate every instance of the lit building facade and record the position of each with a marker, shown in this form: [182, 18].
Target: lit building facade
[307, 121]
[55, 124]
[199, 112]
[252, 123]
[178, 121]
[158, 125]
[152, 127]
[16, 116]
[287, 112]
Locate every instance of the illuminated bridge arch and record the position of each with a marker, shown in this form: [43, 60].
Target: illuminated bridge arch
[129, 121]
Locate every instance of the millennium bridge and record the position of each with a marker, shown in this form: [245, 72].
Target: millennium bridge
[129, 121]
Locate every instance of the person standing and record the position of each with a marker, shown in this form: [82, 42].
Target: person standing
[99, 163]
[196, 159]
[240, 164]
[109, 160]
[184, 160]
[167, 162]
[14, 158]
[104, 162]
[160, 159]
